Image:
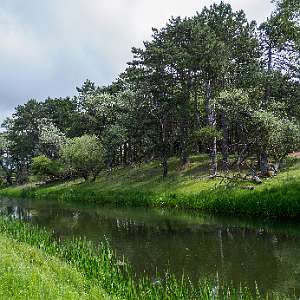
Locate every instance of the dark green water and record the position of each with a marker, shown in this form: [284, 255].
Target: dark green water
[239, 251]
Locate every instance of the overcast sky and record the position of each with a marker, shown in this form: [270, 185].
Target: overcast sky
[48, 47]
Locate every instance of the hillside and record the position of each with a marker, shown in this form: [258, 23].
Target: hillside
[142, 185]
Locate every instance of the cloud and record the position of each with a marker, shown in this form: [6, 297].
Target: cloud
[49, 47]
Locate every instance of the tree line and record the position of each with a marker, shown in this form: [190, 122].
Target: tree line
[213, 83]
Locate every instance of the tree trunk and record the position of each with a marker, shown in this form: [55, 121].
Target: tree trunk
[119, 156]
[125, 153]
[130, 156]
[213, 157]
[263, 163]
[21, 174]
[165, 165]
[184, 155]
[197, 119]
[211, 121]
[110, 164]
[263, 156]
[9, 179]
[225, 141]
[164, 146]
[241, 156]
[184, 124]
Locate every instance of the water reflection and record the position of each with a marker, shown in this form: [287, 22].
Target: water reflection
[200, 246]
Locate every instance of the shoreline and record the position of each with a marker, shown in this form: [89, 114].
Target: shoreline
[278, 197]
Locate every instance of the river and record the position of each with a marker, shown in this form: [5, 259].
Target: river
[247, 251]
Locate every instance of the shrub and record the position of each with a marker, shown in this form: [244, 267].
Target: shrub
[207, 134]
[84, 155]
[45, 168]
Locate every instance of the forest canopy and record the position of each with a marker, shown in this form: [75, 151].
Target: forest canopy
[213, 83]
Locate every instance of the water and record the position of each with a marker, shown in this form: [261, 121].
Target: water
[200, 246]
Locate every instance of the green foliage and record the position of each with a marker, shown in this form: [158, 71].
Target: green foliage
[64, 115]
[206, 135]
[197, 77]
[84, 155]
[113, 138]
[45, 168]
[280, 38]
[7, 166]
[235, 103]
[279, 136]
[269, 130]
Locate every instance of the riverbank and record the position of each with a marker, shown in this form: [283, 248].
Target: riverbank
[27, 272]
[31, 257]
[277, 197]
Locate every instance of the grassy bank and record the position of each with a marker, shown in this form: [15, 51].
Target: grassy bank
[190, 189]
[36, 266]
[27, 272]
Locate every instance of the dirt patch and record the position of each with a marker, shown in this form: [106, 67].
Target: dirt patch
[295, 154]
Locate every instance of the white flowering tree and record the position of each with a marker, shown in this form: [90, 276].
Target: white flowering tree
[6, 160]
[51, 139]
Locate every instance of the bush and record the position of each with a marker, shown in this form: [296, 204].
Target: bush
[84, 155]
[207, 134]
[45, 168]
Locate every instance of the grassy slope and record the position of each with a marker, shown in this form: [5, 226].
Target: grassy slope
[28, 273]
[191, 188]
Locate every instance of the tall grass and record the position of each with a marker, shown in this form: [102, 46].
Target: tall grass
[28, 273]
[101, 266]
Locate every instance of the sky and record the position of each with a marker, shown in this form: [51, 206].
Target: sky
[49, 47]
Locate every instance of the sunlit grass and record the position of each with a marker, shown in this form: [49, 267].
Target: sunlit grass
[28, 273]
[192, 189]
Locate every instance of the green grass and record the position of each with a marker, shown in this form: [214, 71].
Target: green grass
[28, 273]
[36, 266]
[142, 185]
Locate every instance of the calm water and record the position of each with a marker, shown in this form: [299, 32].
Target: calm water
[201, 246]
